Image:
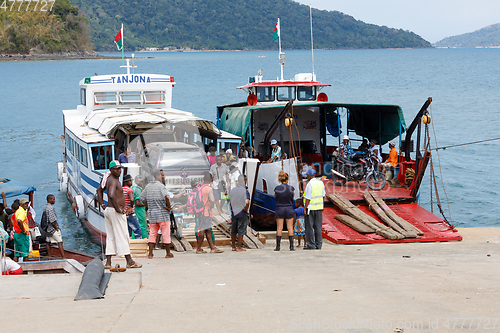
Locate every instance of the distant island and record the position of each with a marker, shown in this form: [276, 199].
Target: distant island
[486, 37]
[232, 25]
[43, 27]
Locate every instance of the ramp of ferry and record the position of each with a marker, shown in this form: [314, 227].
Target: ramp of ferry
[400, 200]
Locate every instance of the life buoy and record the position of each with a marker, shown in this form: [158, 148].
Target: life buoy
[64, 183]
[60, 170]
[80, 207]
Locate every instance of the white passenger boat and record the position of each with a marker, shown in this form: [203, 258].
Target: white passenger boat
[132, 110]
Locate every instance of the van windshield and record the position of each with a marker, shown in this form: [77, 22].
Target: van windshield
[187, 158]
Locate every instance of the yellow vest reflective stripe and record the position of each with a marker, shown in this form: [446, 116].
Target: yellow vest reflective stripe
[316, 201]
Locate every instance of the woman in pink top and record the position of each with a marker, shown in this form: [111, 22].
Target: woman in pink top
[211, 154]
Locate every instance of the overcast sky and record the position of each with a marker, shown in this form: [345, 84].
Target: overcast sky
[431, 19]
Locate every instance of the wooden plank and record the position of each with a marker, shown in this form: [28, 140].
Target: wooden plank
[375, 207]
[347, 207]
[354, 224]
[399, 220]
[254, 239]
[176, 244]
[187, 246]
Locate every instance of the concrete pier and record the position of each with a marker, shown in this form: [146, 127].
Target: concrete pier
[417, 287]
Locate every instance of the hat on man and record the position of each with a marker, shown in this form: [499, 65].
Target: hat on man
[114, 164]
[229, 151]
[127, 177]
[311, 172]
[392, 144]
[23, 201]
[274, 142]
[345, 137]
[234, 165]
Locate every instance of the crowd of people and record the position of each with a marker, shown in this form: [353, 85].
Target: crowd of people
[19, 231]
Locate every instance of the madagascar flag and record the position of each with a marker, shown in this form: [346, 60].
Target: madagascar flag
[276, 32]
[119, 39]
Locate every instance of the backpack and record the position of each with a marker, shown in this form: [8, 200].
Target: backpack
[194, 204]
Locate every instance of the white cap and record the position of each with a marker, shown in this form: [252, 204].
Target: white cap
[345, 137]
[392, 144]
[274, 142]
[229, 151]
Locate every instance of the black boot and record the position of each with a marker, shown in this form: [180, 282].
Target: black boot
[290, 239]
[278, 243]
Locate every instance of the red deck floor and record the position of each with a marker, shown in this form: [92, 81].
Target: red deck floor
[435, 229]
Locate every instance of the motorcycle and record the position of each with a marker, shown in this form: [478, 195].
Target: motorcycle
[359, 168]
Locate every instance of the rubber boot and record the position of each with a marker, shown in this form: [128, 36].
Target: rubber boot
[290, 239]
[278, 243]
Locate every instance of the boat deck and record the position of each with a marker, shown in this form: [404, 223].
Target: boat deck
[354, 192]
[435, 229]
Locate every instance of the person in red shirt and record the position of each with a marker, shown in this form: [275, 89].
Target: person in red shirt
[132, 220]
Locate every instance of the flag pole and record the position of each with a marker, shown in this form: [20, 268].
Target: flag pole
[279, 42]
[123, 58]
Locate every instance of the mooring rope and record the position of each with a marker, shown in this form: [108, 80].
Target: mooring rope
[462, 144]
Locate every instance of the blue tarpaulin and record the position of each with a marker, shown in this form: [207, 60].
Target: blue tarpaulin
[13, 188]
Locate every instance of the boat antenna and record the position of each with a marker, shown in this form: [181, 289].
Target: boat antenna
[312, 41]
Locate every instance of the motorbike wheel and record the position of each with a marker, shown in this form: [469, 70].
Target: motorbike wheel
[336, 179]
[375, 180]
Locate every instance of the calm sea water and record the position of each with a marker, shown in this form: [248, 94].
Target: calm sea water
[464, 85]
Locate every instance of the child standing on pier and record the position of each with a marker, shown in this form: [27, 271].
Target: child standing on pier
[299, 228]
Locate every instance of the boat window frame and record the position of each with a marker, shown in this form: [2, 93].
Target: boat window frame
[83, 156]
[99, 145]
[130, 93]
[292, 96]
[313, 96]
[105, 94]
[265, 94]
[160, 93]
[83, 96]
[77, 151]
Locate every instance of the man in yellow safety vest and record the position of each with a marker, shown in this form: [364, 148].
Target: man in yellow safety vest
[313, 210]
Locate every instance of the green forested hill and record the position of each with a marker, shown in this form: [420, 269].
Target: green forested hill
[232, 24]
[26, 28]
[485, 37]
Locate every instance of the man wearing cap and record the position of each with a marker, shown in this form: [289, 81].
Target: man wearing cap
[313, 210]
[21, 230]
[276, 152]
[132, 221]
[115, 220]
[228, 158]
[345, 148]
[392, 160]
[234, 173]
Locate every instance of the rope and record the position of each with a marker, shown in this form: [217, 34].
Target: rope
[269, 210]
[461, 144]
[432, 174]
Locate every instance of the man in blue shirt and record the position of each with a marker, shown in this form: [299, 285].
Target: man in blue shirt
[239, 198]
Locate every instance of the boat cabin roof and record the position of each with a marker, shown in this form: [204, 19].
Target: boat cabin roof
[285, 84]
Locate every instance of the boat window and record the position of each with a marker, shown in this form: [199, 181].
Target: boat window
[286, 93]
[265, 94]
[154, 97]
[105, 97]
[306, 93]
[130, 97]
[83, 156]
[101, 156]
[153, 157]
[69, 143]
[77, 151]
[83, 96]
[174, 160]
